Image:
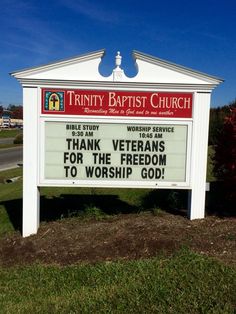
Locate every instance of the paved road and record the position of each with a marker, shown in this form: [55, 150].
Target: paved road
[11, 157]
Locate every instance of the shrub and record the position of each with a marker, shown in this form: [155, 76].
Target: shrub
[18, 139]
[91, 211]
[157, 211]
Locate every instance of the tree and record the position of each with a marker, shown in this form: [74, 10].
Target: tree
[16, 112]
[225, 155]
[216, 124]
[217, 118]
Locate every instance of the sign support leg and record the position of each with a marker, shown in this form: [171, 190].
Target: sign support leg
[31, 195]
[31, 199]
[199, 156]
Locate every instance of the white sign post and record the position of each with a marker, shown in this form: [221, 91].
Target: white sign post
[83, 129]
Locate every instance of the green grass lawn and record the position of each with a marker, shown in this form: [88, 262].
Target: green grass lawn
[9, 133]
[185, 283]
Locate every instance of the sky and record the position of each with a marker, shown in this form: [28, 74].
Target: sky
[200, 35]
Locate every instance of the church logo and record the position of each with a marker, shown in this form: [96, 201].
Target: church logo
[54, 101]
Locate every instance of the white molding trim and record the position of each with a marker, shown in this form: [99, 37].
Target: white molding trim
[116, 85]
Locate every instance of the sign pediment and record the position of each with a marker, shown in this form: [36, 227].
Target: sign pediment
[85, 68]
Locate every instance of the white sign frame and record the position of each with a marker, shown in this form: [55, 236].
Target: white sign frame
[82, 72]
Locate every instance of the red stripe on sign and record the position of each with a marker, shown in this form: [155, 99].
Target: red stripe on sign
[117, 103]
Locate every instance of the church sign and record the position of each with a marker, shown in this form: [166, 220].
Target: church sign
[84, 129]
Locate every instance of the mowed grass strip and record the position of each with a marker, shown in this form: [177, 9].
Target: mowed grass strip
[185, 283]
[9, 133]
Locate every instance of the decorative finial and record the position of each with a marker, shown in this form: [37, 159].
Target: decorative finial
[118, 60]
[118, 73]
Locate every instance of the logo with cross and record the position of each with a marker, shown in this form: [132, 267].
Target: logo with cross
[54, 101]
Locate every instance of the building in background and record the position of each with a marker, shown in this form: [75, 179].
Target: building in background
[7, 122]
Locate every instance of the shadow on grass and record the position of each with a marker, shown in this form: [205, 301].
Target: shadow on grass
[68, 205]
[14, 211]
[220, 200]
[172, 201]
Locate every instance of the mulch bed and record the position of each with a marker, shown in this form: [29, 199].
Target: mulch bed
[123, 237]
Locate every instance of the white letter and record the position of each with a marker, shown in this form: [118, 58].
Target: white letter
[151, 100]
[112, 97]
[70, 92]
